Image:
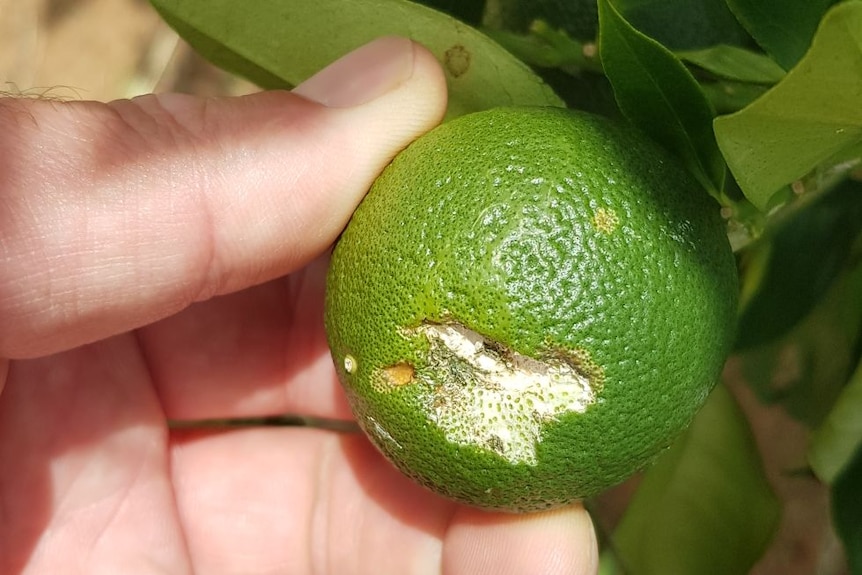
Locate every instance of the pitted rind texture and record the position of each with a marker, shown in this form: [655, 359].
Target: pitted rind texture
[551, 235]
[487, 396]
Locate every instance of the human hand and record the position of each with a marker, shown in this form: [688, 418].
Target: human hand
[160, 259]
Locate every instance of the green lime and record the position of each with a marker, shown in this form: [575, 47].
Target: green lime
[529, 305]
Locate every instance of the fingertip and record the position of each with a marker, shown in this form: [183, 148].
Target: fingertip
[421, 97]
[560, 541]
[376, 101]
[390, 70]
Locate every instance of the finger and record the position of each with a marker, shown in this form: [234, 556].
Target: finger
[331, 504]
[116, 215]
[302, 501]
[4, 370]
[84, 482]
[260, 351]
[560, 542]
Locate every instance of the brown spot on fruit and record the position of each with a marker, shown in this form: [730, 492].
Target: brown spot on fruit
[399, 374]
[606, 221]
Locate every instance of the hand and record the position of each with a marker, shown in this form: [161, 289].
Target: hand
[160, 259]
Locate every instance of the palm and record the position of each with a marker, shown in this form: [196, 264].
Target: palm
[91, 478]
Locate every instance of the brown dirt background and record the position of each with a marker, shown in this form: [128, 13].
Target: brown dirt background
[109, 49]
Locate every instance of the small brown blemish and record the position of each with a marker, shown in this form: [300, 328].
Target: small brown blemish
[457, 60]
[582, 362]
[606, 220]
[399, 374]
[496, 444]
[541, 418]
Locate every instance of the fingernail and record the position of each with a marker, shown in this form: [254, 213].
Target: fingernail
[362, 75]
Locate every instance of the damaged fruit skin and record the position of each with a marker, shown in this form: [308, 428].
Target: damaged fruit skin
[529, 305]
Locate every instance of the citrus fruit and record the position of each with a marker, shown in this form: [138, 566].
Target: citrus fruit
[529, 305]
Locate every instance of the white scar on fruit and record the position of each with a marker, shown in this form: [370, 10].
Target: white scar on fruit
[481, 394]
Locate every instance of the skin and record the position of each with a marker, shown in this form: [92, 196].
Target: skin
[163, 258]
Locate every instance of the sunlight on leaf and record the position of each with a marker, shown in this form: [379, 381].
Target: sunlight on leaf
[811, 116]
[279, 44]
[658, 94]
[706, 506]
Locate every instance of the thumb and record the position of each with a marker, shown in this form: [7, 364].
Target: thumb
[115, 215]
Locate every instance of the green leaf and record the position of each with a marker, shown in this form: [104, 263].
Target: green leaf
[546, 47]
[684, 24]
[279, 44]
[608, 563]
[847, 511]
[840, 435]
[782, 27]
[706, 506]
[811, 116]
[795, 264]
[735, 63]
[658, 94]
[468, 11]
[727, 96]
[806, 370]
[578, 18]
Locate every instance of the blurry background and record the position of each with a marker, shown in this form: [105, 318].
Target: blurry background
[109, 49]
[98, 50]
